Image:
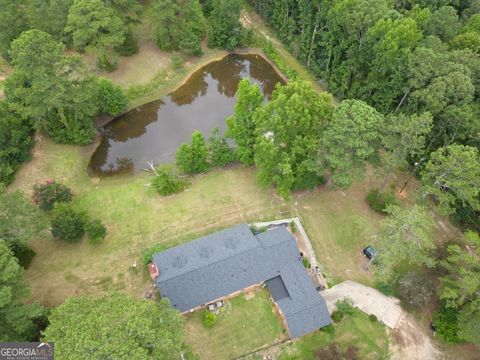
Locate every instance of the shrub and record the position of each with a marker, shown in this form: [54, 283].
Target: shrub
[221, 153]
[96, 231]
[46, 195]
[177, 61]
[385, 289]
[380, 201]
[337, 316]
[446, 323]
[306, 263]
[166, 181]
[344, 306]
[192, 158]
[147, 256]
[67, 224]
[208, 319]
[110, 98]
[372, 318]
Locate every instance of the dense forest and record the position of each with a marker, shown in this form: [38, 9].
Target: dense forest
[404, 58]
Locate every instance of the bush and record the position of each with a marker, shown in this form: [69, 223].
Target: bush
[15, 142]
[221, 153]
[147, 256]
[380, 201]
[372, 318]
[166, 181]
[329, 329]
[337, 316]
[293, 227]
[177, 61]
[67, 224]
[110, 98]
[446, 323]
[47, 195]
[208, 319]
[96, 231]
[306, 263]
[385, 289]
[344, 306]
[192, 158]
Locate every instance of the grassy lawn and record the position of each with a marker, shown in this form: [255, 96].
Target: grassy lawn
[246, 325]
[370, 337]
[137, 218]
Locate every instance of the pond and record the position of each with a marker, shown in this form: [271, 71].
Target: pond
[154, 131]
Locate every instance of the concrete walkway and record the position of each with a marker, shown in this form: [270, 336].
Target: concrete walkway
[369, 300]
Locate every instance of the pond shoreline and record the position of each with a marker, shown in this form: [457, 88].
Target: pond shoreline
[103, 120]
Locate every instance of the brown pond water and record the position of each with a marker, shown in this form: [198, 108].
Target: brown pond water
[154, 131]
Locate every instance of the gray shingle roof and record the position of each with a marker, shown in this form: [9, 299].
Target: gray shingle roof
[219, 264]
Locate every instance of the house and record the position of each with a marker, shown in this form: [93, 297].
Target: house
[225, 263]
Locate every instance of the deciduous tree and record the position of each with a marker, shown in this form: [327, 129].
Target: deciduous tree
[349, 139]
[225, 28]
[193, 158]
[116, 326]
[241, 126]
[453, 173]
[288, 128]
[405, 237]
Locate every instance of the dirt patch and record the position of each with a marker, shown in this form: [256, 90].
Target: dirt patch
[410, 341]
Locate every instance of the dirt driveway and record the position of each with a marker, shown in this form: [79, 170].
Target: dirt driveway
[410, 340]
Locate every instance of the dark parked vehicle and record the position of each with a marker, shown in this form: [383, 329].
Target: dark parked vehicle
[370, 252]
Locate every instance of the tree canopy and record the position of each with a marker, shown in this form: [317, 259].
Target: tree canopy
[116, 326]
[178, 25]
[193, 158]
[226, 31]
[51, 89]
[349, 140]
[288, 129]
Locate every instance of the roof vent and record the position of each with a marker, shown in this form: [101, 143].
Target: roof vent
[205, 252]
[179, 261]
[231, 243]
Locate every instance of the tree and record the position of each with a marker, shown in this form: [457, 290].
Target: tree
[403, 137]
[221, 153]
[51, 89]
[18, 318]
[453, 173]
[178, 25]
[461, 283]
[166, 181]
[405, 237]
[20, 220]
[287, 130]
[15, 141]
[49, 16]
[103, 327]
[349, 139]
[13, 21]
[192, 158]
[67, 224]
[226, 31]
[444, 23]
[111, 99]
[97, 29]
[240, 126]
[469, 322]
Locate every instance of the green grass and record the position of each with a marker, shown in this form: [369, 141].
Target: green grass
[244, 326]
[137, 219]
[357, 330]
